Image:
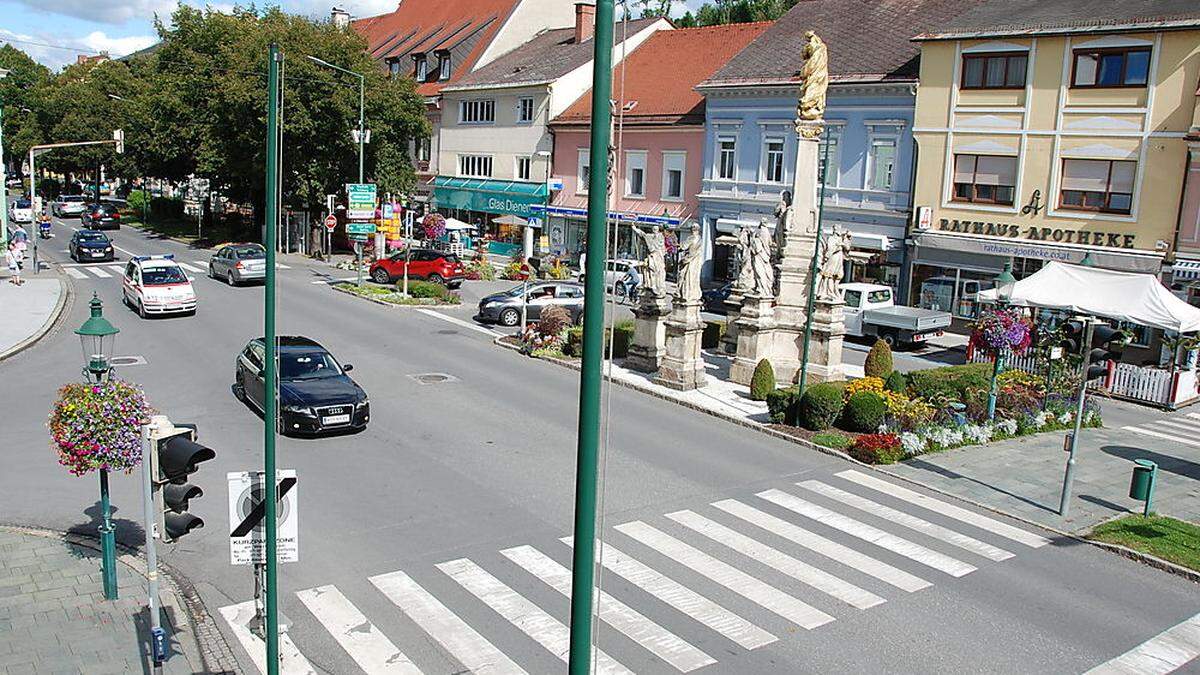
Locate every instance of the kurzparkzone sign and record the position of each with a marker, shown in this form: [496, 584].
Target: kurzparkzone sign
[247, 522]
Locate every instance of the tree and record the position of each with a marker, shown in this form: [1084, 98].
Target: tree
[721, 12]
[653, 8]
[17, 93]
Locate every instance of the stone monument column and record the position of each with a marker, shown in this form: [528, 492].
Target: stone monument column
[648, 348]
[825, 347]
[733, 310]
[683, 365]
[755, 336]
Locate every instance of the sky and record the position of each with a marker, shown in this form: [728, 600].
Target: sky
[54, 32]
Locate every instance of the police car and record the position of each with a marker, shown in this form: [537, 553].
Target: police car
[157, 285]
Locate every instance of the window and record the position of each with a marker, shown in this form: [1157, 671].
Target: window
[475, 166]
[482, 111]
[394, 68]
[424, 149]
[525, 110]
[635, 173]
[852, 299]
[674, 164]
[1097, 185]
[443, 65]
[994, 71]
[726, 158]
[421, 70]
[524, 168]
[883, 163]
[773, 160]
[985, 179]
[831, 147]
[584, 174]
[1123, 67]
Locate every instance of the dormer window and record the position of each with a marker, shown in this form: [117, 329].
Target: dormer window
[394, 68]
[443, 65]
[422, 68]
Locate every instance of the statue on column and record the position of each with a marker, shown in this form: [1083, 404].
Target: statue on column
[690, 253]
[745, 255]
[760, 263]
[833, 266]
[815, 74]
[656, 261]
[783, 219]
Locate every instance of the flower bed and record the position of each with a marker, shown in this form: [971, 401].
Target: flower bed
[422, 293]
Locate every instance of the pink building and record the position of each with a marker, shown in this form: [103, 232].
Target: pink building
[659, 166]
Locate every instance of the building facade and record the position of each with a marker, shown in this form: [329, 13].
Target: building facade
[1045, 133]
[1185, 273]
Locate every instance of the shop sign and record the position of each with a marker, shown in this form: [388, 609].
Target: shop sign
[1033, 233]
[487, 202]
[924, 217]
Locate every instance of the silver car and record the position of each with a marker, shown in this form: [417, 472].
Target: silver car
[68, 206]
[505, 308]
[238, 263]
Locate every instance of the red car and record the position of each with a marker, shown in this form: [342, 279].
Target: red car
[427, 264]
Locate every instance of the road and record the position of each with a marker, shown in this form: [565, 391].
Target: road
[434, 537]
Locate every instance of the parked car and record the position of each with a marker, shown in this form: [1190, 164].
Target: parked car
[68, 206]
[504, 308]
[157, 285]
[91, 246]
[100, 217]
[21, 211]
[713, 299]
[316, 395]
[238, 263]
[427, 264]
[871, 310]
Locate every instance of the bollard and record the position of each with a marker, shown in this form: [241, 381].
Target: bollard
[1141, 485]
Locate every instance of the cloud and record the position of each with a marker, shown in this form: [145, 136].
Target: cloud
[97, 41]
[114, 12]
[55, 50]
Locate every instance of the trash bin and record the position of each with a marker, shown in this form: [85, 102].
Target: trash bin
[1142, 483]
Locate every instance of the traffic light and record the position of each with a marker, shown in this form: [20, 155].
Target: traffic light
[1108, 344]
[176, 456]
[1072, 336]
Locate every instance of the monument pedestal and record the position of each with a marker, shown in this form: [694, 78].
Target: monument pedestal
[825, 348]
[755, 337]
[648, 348]
[683, 367]
[733, 310]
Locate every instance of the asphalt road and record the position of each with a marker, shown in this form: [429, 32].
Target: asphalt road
[453, 482]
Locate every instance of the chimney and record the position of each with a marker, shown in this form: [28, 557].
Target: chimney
[339, 17]
[585, 21]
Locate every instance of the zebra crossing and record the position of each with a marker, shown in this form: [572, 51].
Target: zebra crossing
[1180, 428]
[89, 271]
[721, 580]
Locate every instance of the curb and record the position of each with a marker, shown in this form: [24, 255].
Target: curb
[385, 303]
[176, 593]
[1139, 556]
[65, 297]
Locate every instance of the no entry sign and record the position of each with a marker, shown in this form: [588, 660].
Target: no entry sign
[247, 522]
[330, 222]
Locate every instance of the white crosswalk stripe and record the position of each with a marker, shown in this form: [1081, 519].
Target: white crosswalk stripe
[291, 661]
[682, 598]
[465, 644]
[1159, 434]
[369, 648]
[868, 533]
[801, 571]
[826, 547]
[949, 510]
[790, 608]
[656, 639]
[528, 617]
[74, 273]
[97, 271]
[911, 522]
[193, 268]
[1186, 425]
[1167, 652]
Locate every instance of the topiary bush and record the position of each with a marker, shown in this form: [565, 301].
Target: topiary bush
[762, 382]
[879, 360]
[820, 406]
[949, 381]
[782, 405]
[622, 337]
[864, 412]
[896, 382]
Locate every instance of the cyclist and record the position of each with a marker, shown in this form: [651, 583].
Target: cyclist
[631, 281]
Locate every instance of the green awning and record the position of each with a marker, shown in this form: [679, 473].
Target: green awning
[488, 196]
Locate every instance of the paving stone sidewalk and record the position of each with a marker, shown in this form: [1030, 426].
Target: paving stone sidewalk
[54, 618]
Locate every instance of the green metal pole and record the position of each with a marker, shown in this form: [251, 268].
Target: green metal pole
[583, 569]
[1064, 503]
[812, 270]
[3, 186]
[108, 544]
[362, 138]
[270, 424]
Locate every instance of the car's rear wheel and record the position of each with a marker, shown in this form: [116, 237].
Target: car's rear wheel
[381, 276]
[141, 310]
[510, 317]
[212, 273]
[436, 278]
[230, 279]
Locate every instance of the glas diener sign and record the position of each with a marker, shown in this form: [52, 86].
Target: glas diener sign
[360, 201]
[487, 202]
[247, 517]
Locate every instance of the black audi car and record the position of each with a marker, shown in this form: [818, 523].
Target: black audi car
[316, 396]
[91, 246]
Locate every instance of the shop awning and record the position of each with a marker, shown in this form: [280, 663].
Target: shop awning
[871, 242]
[732, 225]
[1132, 261]
[488, 196]
[1125, 296]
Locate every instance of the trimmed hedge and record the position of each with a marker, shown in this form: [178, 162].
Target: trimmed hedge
[762, 382]
[820, 406]
[950, 381]
[782, 404]
[622, 337]
[864, 412]
[879, 360]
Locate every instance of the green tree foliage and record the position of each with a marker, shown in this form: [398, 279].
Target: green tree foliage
[879, 361]
[762, 382]
[653, 8]
[17, 93]
[721, 12]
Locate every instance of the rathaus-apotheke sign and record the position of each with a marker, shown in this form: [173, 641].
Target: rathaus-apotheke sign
[1033, 233]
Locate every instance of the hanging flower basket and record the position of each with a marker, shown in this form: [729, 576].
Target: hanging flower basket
[999, 329]
[98, 426]
[434, 225]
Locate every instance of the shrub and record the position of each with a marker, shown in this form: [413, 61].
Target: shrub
[832, 439]
[879, 360]
[1020, 377]
[517, 270]
[871, 384]
[820, 406]
[423, 289]
[864, 412]
[908, 414]
[713, 332]
[479, 269]
[782, 405]
[554, 320]
[949, 381]
[762, 382]
[896, 382]
[877, 449]
[622, 337]
[137, 201]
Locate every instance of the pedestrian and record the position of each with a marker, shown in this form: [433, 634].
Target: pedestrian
[12, 262]
[582, 263]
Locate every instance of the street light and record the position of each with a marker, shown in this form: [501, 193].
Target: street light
[362, 130]
[97, 337]
[3, 175]
[1005, 283]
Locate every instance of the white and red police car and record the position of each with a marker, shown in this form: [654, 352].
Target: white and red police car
[157, 285]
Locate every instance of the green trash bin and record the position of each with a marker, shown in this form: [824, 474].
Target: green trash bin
[1141, 486]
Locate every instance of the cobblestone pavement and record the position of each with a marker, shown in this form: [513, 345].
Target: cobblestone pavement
[54, 618]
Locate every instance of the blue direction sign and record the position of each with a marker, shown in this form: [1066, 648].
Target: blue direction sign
[360, 198]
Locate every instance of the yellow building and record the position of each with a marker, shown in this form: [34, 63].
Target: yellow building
[1045, 133]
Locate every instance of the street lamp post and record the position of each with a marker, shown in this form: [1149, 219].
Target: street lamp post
[97, 337]
[362, 131]
[3, 175]
[1004, 288]
[812, 268]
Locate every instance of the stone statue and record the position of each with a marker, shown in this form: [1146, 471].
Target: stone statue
[833, 265]
[760, 263]
[655, 282]
[815, 73]
[690, 260]
[783, 217]
[745, 277]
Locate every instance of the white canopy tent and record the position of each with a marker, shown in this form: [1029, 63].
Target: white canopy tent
[1124, 296]
[453, 224]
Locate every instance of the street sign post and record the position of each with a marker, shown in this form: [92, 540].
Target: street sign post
[360, 228]
[360, 199]
[247, 521]
[331, 222]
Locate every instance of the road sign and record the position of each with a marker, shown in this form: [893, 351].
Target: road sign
[360, 228]
[361, 201]
[387, 211]
[359, 237]
[247, 535]
[330, 222]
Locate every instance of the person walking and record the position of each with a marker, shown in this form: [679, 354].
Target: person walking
[12, 261]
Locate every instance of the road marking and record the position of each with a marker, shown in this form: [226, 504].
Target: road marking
[1181, 424]
[684, 599]
[826, 547]
[949, 510]
[466, 645]
[335, 281]
[739, 582]
[1168, 651]
[911, 522]
[98, 271]
[75, 274]
[369, 648]
[458, 322]
[281, 266]
[537, 624]
[868, 533]
[291, 661]
[192, 268]
[656, 639]
[1195, 415]
[798, 570]
[1156, 434]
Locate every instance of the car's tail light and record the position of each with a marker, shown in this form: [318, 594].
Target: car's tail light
[238, 265]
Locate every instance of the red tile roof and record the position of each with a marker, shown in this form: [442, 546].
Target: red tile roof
[662, 73]
[425, 25]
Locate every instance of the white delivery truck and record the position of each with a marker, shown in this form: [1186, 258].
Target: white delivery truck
[871, 310]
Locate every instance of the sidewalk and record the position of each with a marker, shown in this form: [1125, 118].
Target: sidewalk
[54, 618]
[29, 310]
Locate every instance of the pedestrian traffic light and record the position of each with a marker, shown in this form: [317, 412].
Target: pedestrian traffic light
[1072, 336]
[176, 456]
[1108, 344]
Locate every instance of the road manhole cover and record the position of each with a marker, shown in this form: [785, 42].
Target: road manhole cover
[447, 332]
[127, 361]
[433, 378]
